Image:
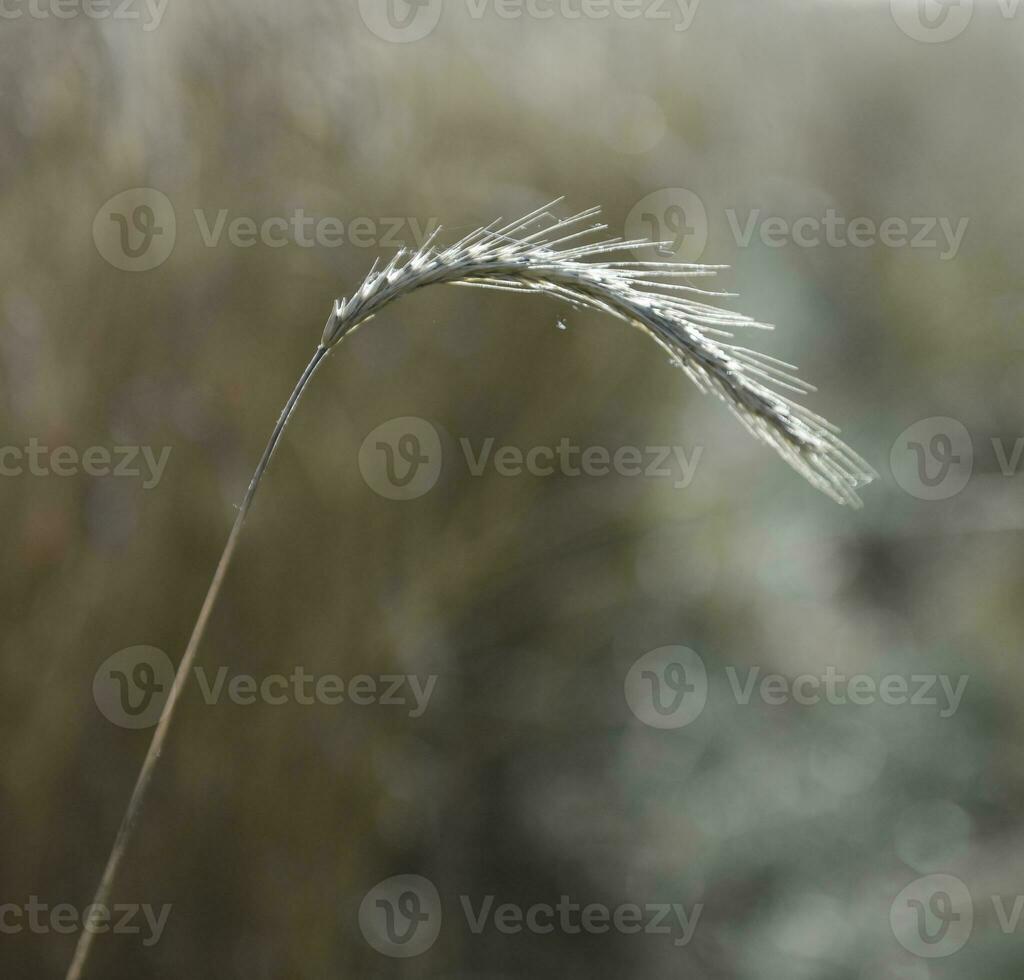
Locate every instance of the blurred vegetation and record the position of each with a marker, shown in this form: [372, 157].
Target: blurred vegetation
[529, 598]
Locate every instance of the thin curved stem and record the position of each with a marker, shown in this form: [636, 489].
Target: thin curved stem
[181, 676]
[696, 336]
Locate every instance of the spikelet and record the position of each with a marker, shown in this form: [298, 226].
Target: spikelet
[542, 254]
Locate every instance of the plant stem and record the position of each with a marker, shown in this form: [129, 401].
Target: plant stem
[184, 669]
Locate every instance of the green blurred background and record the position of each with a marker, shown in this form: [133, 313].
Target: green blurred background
[793, 827]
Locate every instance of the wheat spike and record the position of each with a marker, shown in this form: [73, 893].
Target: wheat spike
[543, 254]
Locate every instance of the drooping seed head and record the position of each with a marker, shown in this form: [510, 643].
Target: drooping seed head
[533, 254]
